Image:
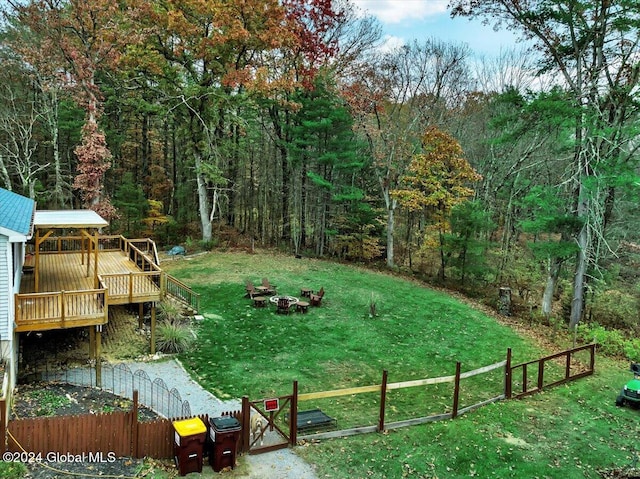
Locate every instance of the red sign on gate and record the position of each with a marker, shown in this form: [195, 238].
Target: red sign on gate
[271, 404]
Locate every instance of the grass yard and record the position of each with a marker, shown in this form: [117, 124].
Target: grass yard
[570, 431]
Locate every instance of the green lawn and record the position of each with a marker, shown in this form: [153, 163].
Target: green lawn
[569, 431]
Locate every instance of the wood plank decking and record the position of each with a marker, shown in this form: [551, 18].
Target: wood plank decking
[68, 297]
[65, 271]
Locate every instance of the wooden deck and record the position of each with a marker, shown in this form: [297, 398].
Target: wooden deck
[68, 296]
[65, 271]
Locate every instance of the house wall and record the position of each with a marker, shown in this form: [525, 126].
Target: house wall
[6, 288]
[11, 261]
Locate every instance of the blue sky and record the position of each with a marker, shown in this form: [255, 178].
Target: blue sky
[406, 20]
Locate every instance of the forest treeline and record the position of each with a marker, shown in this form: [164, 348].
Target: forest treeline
[291, 123]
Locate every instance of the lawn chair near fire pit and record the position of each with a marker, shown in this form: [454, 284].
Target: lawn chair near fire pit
[316, 299]
[267, 287]
[284, 306]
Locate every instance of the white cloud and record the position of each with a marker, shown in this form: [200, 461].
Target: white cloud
[395, 11]
[390, 43]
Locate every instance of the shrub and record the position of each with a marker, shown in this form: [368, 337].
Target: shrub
[12, 470]
[632, 350]
[47, 401]
[174, 337]
[610, 342]
[615, 309]
[169, 311]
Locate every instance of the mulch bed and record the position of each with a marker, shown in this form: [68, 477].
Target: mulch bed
[59, 399]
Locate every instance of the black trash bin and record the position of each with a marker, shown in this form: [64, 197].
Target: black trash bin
[188, 445]
[225, 433]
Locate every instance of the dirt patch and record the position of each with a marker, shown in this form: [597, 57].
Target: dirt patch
[621, 473]
[57, 399]
[122, 340]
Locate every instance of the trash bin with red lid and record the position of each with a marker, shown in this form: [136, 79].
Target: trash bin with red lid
[224, 435]
[188, 444]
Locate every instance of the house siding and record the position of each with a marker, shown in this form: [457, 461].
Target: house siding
[6, 289]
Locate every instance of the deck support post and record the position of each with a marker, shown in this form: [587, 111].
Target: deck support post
[92, 343]
[98, 354]
[153, 328]
[140, 315]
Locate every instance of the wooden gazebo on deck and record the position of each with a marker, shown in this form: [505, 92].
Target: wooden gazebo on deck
[87, 222]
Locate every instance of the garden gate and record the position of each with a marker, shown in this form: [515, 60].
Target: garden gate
[278, 429]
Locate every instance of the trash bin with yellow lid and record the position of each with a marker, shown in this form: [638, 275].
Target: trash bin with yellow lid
[188, 444]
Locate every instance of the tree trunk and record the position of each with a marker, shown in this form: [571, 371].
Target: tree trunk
[577, 303]
[203, 202]
[550, 287]
[391, 208]
[504, 301]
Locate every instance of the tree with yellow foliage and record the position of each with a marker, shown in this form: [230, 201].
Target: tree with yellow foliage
[438, 178]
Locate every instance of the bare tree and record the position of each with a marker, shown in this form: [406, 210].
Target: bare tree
[18, 120]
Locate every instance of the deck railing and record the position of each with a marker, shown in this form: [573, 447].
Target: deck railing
[64, 309]
[133, 287]
[41, 311]
[181, 291]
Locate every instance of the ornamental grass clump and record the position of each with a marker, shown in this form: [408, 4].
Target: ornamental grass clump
[174, 333]
[174, 337]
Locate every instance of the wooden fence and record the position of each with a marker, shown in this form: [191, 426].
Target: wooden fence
[119, 433]
[122, 434]
[534, 372]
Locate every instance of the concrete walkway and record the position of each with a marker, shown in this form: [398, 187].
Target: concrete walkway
[282, 464]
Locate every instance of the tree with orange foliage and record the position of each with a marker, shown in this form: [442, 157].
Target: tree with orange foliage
[77, 38]
[213, 52]
[438, 178]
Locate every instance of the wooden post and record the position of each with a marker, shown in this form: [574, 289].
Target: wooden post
[508, 378]
[140, 315]
[3, 426]
[540, 374]
[37, 263]
[95, 261]
[89, 245]
[456, 392]
[383, 400]
[153, 328]
[246, 423]
[567, 370]
[134, 425]
[98, 354]
[63, 306]
[293, 420]
[92, 343]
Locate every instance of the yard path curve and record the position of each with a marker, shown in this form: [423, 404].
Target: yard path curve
[282, 464]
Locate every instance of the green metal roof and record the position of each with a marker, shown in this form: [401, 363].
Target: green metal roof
[16, 212]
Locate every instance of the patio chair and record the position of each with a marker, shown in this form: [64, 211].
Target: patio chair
[270, 289]
[251, 290]
[316, 299]
[283, 306]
